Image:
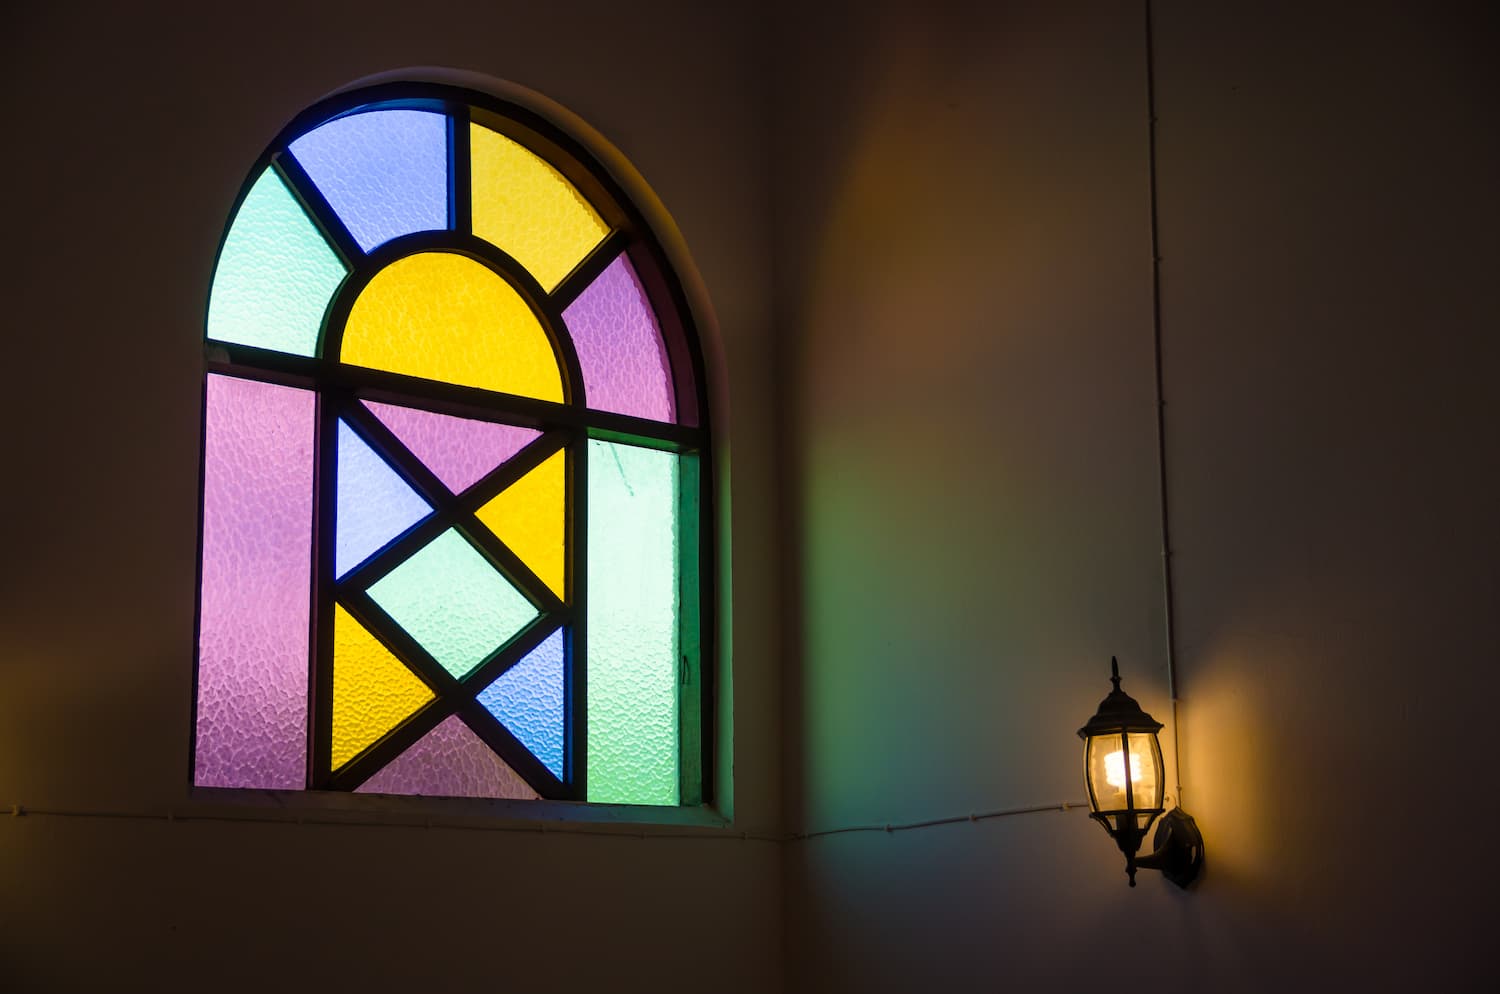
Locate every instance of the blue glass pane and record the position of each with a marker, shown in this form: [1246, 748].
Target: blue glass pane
[385, 172]
[375, 504]
[528, 700]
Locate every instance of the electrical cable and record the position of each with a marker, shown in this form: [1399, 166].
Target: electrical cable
[1161, 403]
[547, 828]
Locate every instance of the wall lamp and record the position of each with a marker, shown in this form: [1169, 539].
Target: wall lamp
[1123, 769]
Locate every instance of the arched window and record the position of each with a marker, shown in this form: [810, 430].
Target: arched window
[454, 469]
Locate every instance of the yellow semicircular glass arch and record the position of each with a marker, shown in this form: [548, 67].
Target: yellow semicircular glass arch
[528, 209]
[443, 316]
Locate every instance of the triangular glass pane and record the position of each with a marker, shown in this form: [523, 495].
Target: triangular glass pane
[451, 600]
[530, 517]
[459, 451]
[373, 691]
[384, 172]
[374, 503]
[449, 761]
[528, 700]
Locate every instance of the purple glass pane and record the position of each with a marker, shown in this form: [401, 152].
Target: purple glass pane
[459, 451]
[257, 542]
[625, 366]
[449, 761]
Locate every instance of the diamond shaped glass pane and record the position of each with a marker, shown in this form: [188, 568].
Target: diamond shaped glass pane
[452, 601]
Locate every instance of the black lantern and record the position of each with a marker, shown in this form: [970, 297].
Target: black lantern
[1123, 769]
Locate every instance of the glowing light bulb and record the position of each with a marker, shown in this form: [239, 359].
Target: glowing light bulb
[1114, 769]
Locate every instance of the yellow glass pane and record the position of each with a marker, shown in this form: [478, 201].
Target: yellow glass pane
[443, 316]
[373, 691]
[529, 210]
[529, 516]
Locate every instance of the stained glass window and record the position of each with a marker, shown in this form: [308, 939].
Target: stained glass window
[455, 470]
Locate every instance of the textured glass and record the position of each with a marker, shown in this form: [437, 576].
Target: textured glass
[528, 700]
[449, 761]
[528, 209]
[257, 542]
[443, 316]
[276, 274]
[452, 601]
[625, 367]
[373, 691]
[375, 504]
[1105, 760]
[633, 630]
[529, 516]
[384, 172]
[459, 451]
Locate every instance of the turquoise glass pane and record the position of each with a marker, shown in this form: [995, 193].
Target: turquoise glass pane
[633, 626]
[375, 505]
[528, 700]
[452, 601]
[384, 172]
[276, 274]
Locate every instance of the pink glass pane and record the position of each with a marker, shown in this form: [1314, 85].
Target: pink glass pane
[257, 541]
[625, 367]
[449, 761]
[459, 451]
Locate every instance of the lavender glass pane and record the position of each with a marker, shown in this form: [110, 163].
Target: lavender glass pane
[528, 700]
[459, 451]
[375, 503]
[384, 172]
[625, 366]
[449, 761]
[257, 542]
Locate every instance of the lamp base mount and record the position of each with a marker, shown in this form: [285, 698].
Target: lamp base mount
[1178, 849]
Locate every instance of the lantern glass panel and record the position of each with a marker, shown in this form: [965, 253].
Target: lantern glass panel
[1150, 785]
[1105, 760]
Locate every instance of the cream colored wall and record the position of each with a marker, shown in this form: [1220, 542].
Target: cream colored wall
[132, 129]
[964, 276]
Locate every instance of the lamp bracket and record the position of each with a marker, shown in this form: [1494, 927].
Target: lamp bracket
[1178, 848]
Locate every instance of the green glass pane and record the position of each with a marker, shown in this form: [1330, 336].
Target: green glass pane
[452, 601]
[275, 276]
[632, 625]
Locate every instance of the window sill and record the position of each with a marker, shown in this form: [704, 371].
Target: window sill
[331, 807]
